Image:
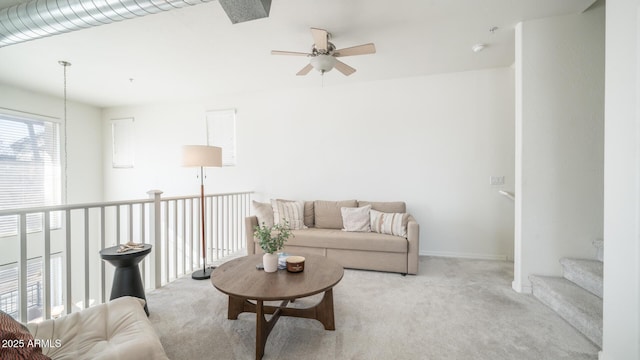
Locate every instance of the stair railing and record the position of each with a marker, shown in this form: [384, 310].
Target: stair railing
[78, 232]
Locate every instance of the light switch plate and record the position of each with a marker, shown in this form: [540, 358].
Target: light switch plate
[496, 180]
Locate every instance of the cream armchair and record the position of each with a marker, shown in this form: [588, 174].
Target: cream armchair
[118, 329]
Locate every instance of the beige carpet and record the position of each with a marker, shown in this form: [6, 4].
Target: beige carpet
[453, 309]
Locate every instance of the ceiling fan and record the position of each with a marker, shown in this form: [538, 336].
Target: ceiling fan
[323, 54]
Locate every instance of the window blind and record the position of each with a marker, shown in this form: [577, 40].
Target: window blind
[29, 170]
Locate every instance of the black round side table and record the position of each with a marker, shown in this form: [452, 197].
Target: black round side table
[126, 280]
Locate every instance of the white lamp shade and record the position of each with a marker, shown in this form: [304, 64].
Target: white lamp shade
[201, 155]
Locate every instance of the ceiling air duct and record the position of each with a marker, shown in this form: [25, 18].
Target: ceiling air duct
[40, 18]
[245, 10]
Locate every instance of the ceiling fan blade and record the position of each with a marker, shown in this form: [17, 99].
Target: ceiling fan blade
[344, 68]
[356, 50]
[294, 53]
[305, 70]
[320, 39]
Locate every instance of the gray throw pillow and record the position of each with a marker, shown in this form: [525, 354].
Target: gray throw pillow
[264, 213]
[356, 219]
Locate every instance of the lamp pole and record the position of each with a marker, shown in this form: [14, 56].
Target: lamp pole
[204, 274]
[202, 217]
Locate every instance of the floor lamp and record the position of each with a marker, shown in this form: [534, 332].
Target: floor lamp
[202, 156]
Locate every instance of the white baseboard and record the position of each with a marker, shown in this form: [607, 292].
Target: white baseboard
[519, 288]
[464, 255]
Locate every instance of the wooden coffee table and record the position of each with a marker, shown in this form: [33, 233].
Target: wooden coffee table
[240, 279]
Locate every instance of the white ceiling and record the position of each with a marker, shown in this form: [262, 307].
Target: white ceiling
[196, 52]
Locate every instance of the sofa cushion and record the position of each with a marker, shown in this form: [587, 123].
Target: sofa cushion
[386, 206]
[338, 239]
[290, 210]
[328, 214]
[17, 341]
[264, 213]
[389, 223]
[309, 214]
[118, 329]
[356, 219]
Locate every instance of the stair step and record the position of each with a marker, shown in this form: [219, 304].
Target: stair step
[585, 273]
[577, 306]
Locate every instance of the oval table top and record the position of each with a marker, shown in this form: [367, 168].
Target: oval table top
[111, 253]
[239, 277]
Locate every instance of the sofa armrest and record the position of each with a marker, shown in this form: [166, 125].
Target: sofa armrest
[250, 222]
[413, 237]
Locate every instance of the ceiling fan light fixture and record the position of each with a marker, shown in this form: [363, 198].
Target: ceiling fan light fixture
[323, 63]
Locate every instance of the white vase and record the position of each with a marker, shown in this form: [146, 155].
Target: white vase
[270, 262]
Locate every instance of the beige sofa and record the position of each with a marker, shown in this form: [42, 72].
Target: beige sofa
[118, 330]
[357, 250]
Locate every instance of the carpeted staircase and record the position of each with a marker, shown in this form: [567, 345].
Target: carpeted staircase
[576, 297]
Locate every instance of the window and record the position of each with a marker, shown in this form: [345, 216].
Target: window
[29, 170]
[9, 295]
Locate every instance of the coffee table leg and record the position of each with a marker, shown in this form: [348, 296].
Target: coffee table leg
[324, 311]
[236, 306]
[264, 327]
[262, 330]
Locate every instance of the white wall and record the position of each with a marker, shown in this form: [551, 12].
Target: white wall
[559, 146]
[621, 338]
[430, 141]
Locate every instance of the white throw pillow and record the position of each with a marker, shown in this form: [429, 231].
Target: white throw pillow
[263, 212]
[292, 211]
[389, 223]
[356, 219]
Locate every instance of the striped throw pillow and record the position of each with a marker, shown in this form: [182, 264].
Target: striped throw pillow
[292, 211]
[17, 341]
[389, 223]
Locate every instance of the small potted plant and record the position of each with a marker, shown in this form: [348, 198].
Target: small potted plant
[272, 239]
